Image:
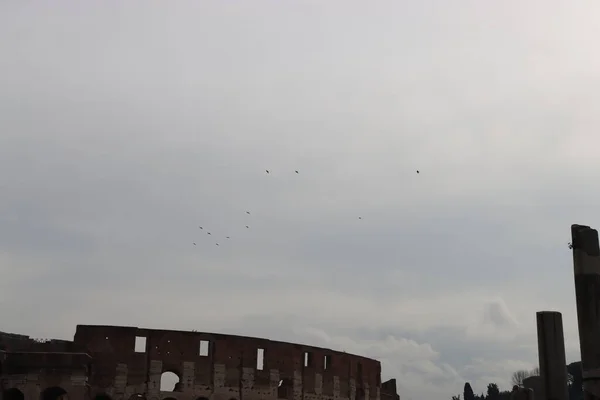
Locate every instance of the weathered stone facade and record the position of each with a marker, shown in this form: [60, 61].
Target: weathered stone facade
[107, 362]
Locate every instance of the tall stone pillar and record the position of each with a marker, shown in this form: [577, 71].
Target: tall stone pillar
[536, 384]
[551, 353]
[586, 263]
[522, 394]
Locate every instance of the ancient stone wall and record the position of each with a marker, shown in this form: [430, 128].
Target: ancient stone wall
[128, 362]
[16, 342]
[45, 376]
[389, 390]
[221, 367]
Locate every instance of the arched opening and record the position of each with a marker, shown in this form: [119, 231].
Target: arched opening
[13, 394]
[360, 394]
[285, 389]
[102, 396]
[169, 382]
[54, 393]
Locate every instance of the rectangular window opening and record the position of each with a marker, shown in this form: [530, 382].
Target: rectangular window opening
[260, 359]
[327, 362]
[140, 344]
[203, 348]
[307, 359]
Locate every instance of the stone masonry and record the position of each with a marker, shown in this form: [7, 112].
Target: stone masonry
[127, 363]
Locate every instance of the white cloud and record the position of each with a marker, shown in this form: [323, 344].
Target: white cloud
[495, 321]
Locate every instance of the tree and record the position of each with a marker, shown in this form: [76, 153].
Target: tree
[519, 376]
[493, 393]
[468, 392]
[575, 377]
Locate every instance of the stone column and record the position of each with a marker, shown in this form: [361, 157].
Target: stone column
[586, 263]
[522, 394]
[536, 384]
[551, 353]
[153, 388]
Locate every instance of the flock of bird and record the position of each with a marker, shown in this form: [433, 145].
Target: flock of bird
[248, 213]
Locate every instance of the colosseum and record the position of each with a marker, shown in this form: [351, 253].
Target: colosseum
[115, 363]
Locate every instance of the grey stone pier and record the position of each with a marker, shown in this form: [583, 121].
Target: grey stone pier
[522, 394]
[551, 353]
[586, 263]
[536, 384]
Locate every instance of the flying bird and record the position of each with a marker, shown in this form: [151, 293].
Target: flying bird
[296, 171]
[359, 217]
[208, 233]
[200, 227]
[194, 244]
[247, 226]
[226, 237]
[248, 212]
[267, 171]
[217, 244]
[417, 171]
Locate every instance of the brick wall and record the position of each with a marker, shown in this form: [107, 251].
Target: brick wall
[209, 367]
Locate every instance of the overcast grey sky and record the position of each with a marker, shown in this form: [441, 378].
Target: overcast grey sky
[126, 125]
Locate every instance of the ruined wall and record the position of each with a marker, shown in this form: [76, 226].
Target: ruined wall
[16, 342]
[107, 365]
[389, 390]
[45, 376]
[41, 369]
[227, 368]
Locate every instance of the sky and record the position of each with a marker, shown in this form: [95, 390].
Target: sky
[125, 126]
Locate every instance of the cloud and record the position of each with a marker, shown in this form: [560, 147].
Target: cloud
[495, 321]
[118, 143]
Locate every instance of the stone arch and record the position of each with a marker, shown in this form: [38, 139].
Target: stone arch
[170, 381]
[54, 393]
[285, 389]
[13, 394]
[102, 396]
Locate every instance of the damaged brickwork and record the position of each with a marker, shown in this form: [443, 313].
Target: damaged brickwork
[124, 363]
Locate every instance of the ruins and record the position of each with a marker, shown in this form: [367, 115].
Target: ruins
[127, 363]
[552, 382]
